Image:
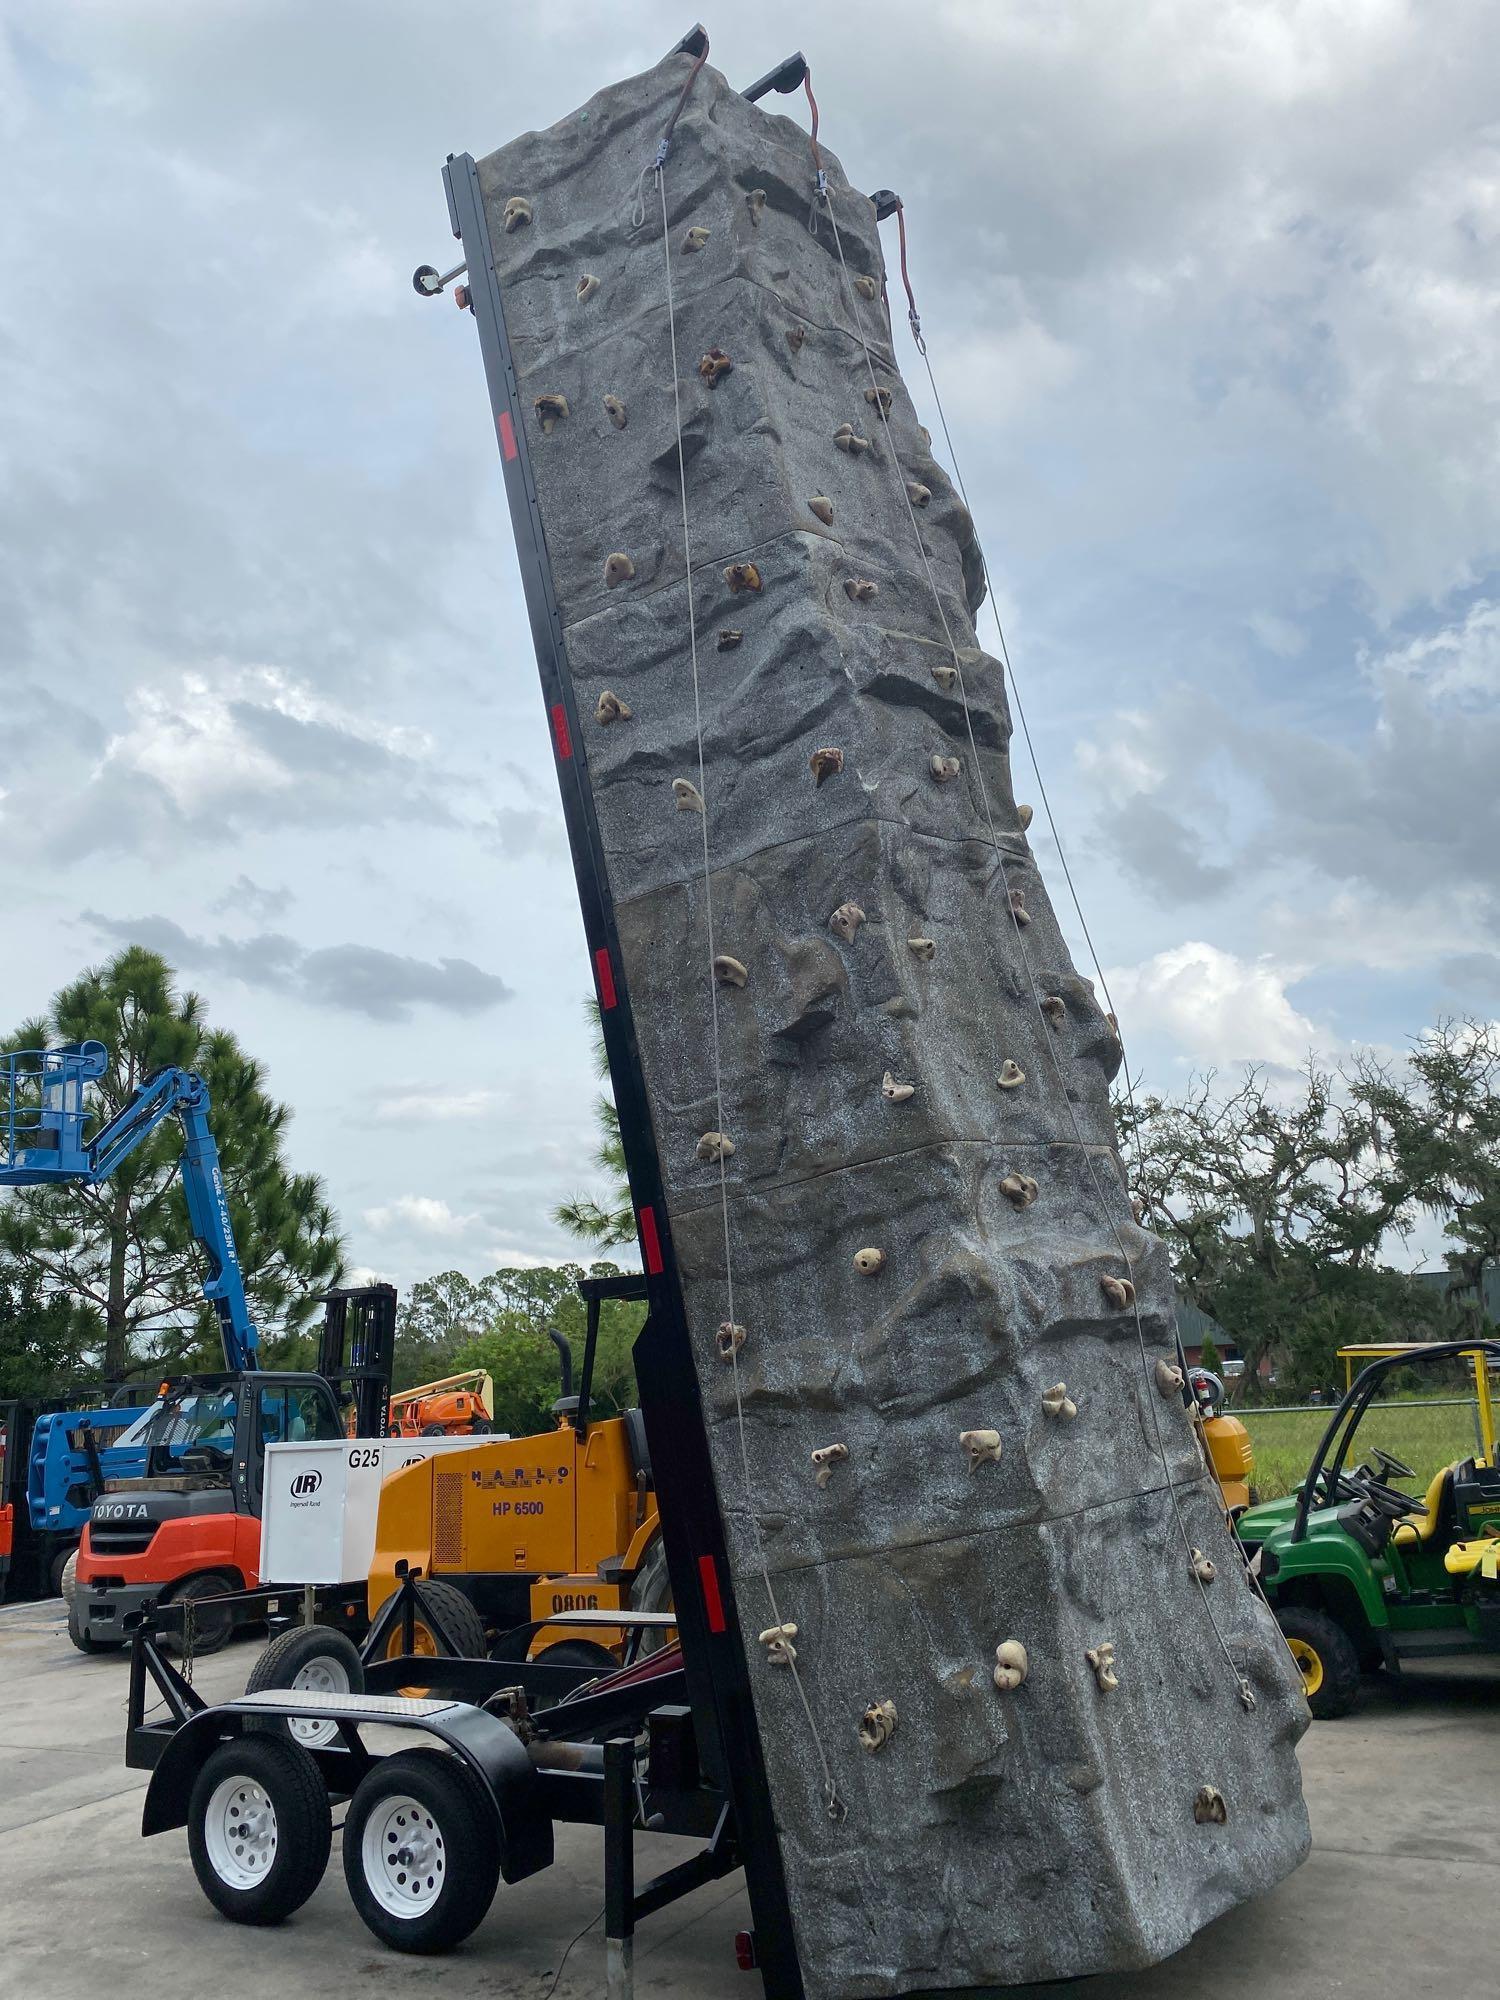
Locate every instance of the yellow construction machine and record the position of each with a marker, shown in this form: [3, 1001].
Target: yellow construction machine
[513, 1531]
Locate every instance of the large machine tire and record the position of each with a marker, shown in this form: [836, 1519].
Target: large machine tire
[652, 1591]
[421, 1851]
[211, 1627]
[64, 1574]
[1326, 1657]
[454, 1613]
[317, 1661]
[259, 1828]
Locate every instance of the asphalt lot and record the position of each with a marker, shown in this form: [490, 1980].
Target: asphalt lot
[1396, 1897]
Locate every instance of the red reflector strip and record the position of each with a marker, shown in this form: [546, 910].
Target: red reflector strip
[507, 437]
[560, 734]
[713, 1604]
[604, 972]
[650, 1243]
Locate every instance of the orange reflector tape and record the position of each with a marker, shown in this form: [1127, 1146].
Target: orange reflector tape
[560, 734]
[713, 1604]
[507, 437]
[604, 972]
[650, 1243]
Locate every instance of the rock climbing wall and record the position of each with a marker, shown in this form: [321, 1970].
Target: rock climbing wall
[961, 1435]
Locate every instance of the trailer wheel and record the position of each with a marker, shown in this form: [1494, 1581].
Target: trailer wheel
[316, 1660]
[259, 1828]
[422, 1851]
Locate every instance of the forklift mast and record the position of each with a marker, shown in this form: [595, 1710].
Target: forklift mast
[356, 1349]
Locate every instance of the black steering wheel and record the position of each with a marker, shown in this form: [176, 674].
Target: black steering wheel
[1387, 1467]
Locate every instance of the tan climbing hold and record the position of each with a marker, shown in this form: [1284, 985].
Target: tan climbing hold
[713, 1147]
[846, 920]
[917, 493]
[943, 769]
[898, 1093]
[982, 1447]
[859, 589]
[869, 1263]
[729, 1339]
[1018, 909]
[946, 678]
[1209, 1808]
[617, 568]
[795, 335]
[695, 239]
[822, 506]
[1023, 817]
[1011, 1076]
[611, 708]
[1011, 1664]
[1058, 1403]
[848, 439]
[1119, 1292]
[549, 410]
[877, 1725]
[755, 201]
[1169, 1379]
[826, 1458]
[1102, 1660]
[615, 410]
[729, 639]
[826, 763]
[687, 796]
[714, 366]
[515, 215]
[777, 1640]
[1056, 1009]
[924, 948]
[879, 399]
[926, 436]
[588, 284]
[1204, 1567]
[867, 288]
[1020, 1190]
[1114, 1026]
[729, 972]
[742, 576]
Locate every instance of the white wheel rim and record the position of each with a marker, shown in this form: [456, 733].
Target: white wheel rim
[239, 1831]
[404, 1857]
[324, 1675]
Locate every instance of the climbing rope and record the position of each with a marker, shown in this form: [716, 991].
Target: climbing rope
[824, 196]
[834, 1805]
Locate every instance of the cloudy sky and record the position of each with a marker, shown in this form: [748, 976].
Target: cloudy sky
[1211, 292]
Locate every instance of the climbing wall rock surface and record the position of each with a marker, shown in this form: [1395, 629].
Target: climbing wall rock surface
[996, 1460]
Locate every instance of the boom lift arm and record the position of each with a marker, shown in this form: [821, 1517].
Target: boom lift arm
[41, 1140]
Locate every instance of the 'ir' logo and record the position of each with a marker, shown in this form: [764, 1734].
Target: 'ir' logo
[305, 1483]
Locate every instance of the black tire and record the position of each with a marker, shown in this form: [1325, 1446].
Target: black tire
[247, 1776]
[578, 1653]
[456, 1615]
[434, 1430]
[452, 1877]
[212, 1627]
[652, 1591]
[481, 1427]
[316, 1659]
[78, 1632]
[1327, 1658]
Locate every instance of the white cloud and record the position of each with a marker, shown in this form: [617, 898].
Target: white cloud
[1212, 1007]
[420, 1104]
[419, 1215]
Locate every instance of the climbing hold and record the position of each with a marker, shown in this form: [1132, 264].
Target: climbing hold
[917, 493]
[1168, 1377]
[847, 438]
[755, 201]
[1204, 1567]
[1102, 1660]
[715, 1146]
[827, 1458]
[729, 972]
[822, 506]
[1114, 1026]
[869, 1262]
[729, 1339]
[777, 1640]
[1119, 1291]
[516, 214]
[1011, 1075]
[1209, 1808]
[944, 769]
[689, 798]
[924, 948]
[549, 409]
[896, 1092]
[714, 366]
[729, 639]
[588, 284]
[877, 1725]
[1058, 1403]
[879, 399]
[1018, 909]
[946, 678]
[1020, 1190]
[1056, 1009]
[695, 238]
[867, 288]
[983, 1447]
[795, 335]
[616, 569]
[926, 436]
[1138, 1207]
[846, 920]
[826, 763]
[859, 589]
[742, 576]
[615, 410]
[1011, 1664]
[611, 708]
[1023, 815]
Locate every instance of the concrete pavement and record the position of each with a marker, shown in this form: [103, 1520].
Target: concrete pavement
[1405, 1867]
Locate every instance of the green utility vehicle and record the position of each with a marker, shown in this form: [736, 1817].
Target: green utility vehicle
[1361, 1575]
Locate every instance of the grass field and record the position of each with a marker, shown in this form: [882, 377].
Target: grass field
[1426, 1434]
